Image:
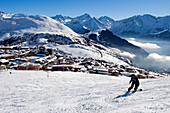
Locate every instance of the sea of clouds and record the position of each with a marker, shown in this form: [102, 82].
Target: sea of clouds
[157, 59]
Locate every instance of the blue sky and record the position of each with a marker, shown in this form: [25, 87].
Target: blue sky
[116, 9]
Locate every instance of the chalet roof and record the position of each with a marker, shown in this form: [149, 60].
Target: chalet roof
[99, 68]
[4, 60]
[62, 66]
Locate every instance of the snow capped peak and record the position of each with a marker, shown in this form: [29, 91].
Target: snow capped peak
[106, 18]
[87, 22]
[136, 25]
[145, 17]
[76, 26]
[5, 15]
[95, 18]
[59, 16]
[86, 15]
[62, 19]
[148, 15]
[83, 18]
[107, 21]
[94, 24]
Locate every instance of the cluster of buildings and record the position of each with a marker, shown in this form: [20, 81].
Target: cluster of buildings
[42, 58]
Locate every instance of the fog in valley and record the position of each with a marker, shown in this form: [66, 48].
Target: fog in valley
[159, 54]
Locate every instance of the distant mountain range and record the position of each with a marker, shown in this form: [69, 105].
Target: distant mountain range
[140, 26]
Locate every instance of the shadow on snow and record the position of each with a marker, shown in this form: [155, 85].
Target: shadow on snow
[124, 95]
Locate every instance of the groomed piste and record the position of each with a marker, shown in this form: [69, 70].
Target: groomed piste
[70, 92]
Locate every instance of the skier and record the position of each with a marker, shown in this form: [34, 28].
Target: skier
[135, 82]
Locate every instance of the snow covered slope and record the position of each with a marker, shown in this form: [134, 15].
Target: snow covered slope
[94, 24]
[101, 53]
[107, 21]
[107, 38]
[76, 26]
[82, 22]
[135, 24]
[18, 24]
[62, 19]
[89, 22]
[144, 26]
[5, 15]
[63, 92]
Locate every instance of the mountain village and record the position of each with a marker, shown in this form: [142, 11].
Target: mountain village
[48, 59]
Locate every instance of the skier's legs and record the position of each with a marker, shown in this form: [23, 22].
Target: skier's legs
[131, 86]
[136, 87]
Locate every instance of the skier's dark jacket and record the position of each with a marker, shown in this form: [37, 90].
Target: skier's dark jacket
[134, 80]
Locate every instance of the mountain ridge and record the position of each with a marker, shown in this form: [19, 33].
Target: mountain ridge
[138, 26]
[18, 24]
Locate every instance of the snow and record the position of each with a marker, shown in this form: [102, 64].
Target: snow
[4, 60]
[18, 24]
[63, 92]
[107, 21]
[160, 32]
[87, 51]
[139, 25]
[82, 22]
[4, 55]
[24, 64]
[62, 19]
[42, 41]
[76, 26]
[5, 15]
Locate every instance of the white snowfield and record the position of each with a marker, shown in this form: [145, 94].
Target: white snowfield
[18, 24]
[86, 51]
[70, 92]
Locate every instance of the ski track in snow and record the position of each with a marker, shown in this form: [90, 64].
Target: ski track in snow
[69, 92]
